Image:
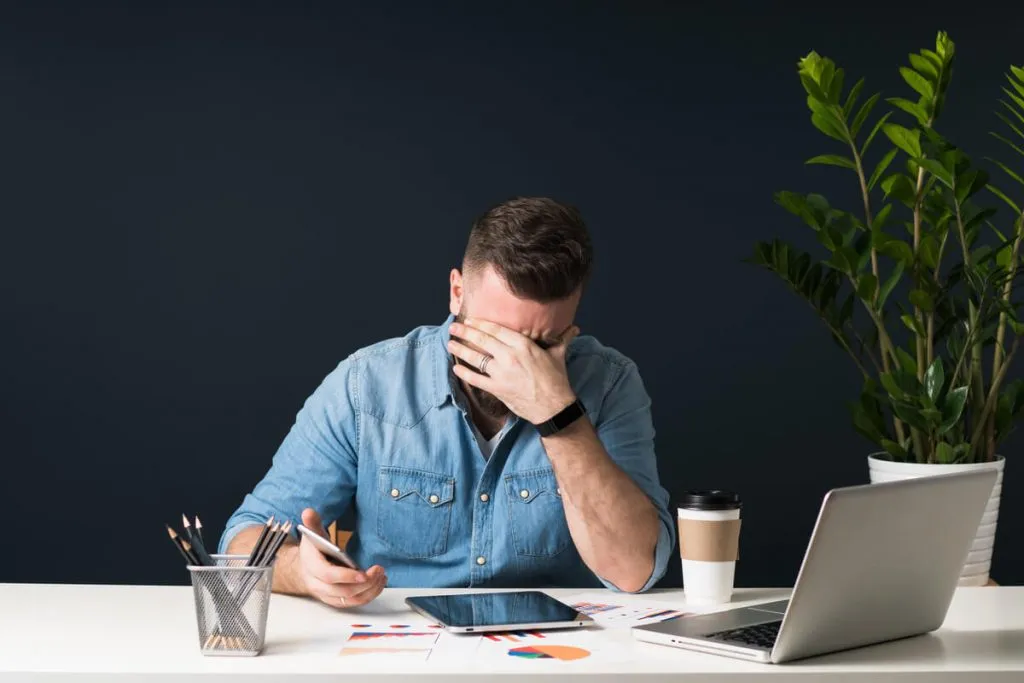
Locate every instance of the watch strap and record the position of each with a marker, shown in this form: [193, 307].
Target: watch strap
[562, 419]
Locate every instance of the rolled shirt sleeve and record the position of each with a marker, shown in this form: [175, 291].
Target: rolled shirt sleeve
[315, 465]
[626, 430]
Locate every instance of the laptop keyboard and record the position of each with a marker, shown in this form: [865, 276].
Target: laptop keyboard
[760, 635]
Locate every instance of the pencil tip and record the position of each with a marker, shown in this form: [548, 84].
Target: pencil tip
[199, 525]
[186, 545]
[184, 521]
[270, 522]
[170, 531]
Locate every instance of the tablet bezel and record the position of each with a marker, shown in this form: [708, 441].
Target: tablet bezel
[580, 620]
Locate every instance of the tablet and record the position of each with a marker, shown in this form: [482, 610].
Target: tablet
[505, 611]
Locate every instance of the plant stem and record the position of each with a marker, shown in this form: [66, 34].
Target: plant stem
[923, 452]
[990, 401]
[869, 223]
[997, 352]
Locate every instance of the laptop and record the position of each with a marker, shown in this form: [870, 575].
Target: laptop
[883, 563]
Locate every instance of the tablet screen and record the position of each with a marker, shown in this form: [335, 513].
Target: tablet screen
[496, 609]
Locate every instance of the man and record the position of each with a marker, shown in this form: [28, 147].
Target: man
[498, 449]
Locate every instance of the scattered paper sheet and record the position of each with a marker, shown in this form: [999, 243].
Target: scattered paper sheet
[621, 611]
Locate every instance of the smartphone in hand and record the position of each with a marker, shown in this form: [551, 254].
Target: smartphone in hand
[332, 552]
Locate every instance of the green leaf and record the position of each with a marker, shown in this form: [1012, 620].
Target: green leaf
[910, 415]
[924, 66]
[831, 160]
[999, 193]
[960, 451]
[944, 453]
[1008, 143]
[880, 168]
[907, 362]
[862, 115]
[899, 187]
[934, 379]
[1018, 72]
[1019, 87]
[1017, 100]
[890, 385]
[851, 99]
[1007, 170]
[922, 300]
[866, 286]
[952, 408]
[937, 170]
[881, 217]
[813, 89]
[835, 86]
[894, 449]
[874, 131]
[912, 324]
[827, 126]
[904, 138]
[1010, 124]
[898, 250]
[928, 251]
[890, 283]
[911, 108]
[917, 82]
[969, 183]
[933, 59]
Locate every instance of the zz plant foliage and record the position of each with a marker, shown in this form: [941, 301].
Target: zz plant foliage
[917, 281]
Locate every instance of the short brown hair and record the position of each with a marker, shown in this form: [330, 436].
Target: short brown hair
[539, 247]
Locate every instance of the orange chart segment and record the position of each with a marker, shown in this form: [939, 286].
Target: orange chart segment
[562, 652]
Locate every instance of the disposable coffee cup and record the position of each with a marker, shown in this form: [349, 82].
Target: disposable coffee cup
[709, 535]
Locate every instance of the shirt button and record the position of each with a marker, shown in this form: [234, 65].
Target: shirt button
[433, 499]
[481, 560]
[394, 493]
[484, 498]
[524, 494]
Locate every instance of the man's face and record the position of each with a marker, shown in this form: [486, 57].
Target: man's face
[483, 295]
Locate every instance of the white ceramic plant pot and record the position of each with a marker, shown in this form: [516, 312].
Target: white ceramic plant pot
[979, 560]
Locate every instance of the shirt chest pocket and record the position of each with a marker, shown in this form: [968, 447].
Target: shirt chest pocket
[414, 509]
[536, 514]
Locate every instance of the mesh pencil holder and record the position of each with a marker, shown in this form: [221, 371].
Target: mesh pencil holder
[232, 601]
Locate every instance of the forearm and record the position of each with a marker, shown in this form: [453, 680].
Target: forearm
[612, 521]
[286, 564]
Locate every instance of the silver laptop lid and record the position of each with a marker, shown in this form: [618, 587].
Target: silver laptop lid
[883, 562]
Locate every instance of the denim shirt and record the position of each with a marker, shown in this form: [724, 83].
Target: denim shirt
[387, 432]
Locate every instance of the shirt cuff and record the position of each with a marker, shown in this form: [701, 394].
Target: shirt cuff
[662, 552]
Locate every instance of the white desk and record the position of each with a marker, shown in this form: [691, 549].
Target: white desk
[103, 633]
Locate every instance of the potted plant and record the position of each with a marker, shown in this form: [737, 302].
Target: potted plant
[916, 282]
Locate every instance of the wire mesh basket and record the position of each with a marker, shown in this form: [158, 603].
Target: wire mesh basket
[232, 601]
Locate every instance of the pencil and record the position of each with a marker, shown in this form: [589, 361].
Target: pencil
[197, 544]
[258, 547]
[199, 530]
[177, 543]
[278, 542]
[271, 536]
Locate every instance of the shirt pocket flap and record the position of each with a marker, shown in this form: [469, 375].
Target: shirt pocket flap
[431, 488]
[528, 486]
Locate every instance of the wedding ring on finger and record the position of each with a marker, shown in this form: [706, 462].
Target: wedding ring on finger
[483, 364]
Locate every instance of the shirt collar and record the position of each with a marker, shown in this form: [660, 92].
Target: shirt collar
[443, 361]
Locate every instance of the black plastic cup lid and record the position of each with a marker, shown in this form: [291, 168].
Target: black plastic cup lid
[710, 500]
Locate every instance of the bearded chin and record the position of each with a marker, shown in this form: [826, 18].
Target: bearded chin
[488, 404]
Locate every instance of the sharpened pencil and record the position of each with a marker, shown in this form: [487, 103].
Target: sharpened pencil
[258, 546]
[282, 536]
[199, 531]
[271, 535]
[177, 543]
[197, 544]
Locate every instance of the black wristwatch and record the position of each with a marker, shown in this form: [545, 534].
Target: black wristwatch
[563, 419]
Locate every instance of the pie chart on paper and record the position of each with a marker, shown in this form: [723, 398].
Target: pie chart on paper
[562, 652]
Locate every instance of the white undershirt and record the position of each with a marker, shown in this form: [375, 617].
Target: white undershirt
[487, 446]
